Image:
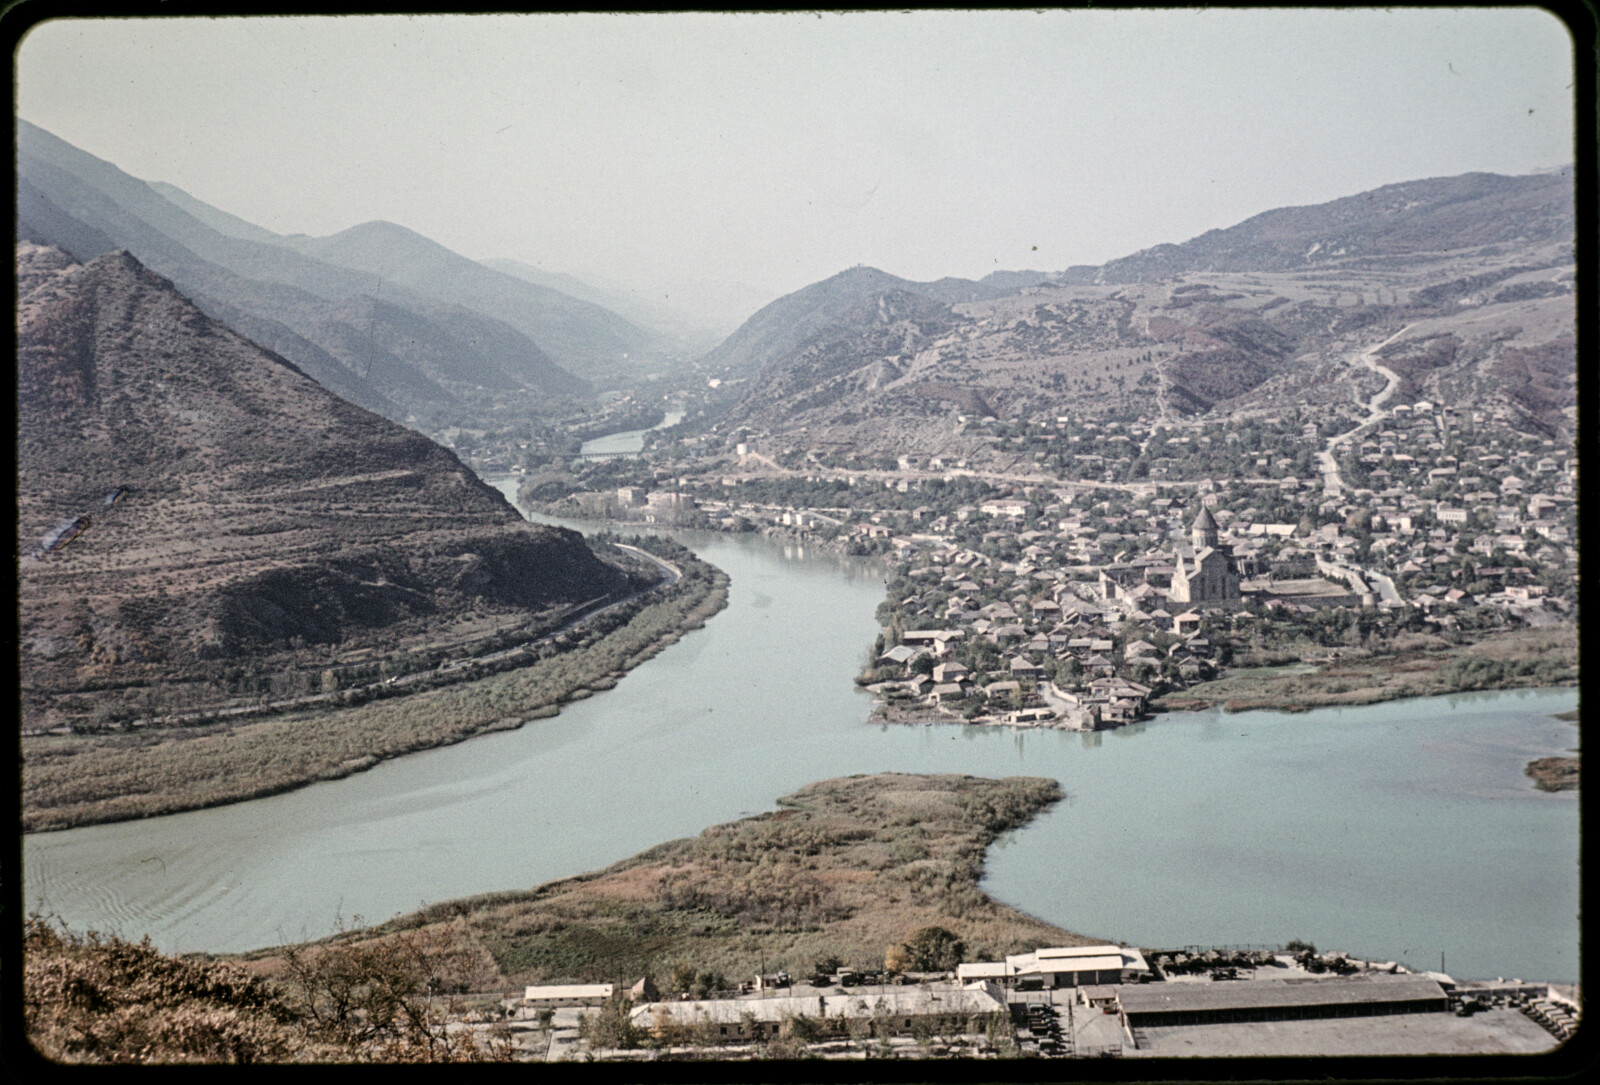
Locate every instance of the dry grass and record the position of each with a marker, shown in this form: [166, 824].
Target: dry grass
[1523, 658]
[847, 868]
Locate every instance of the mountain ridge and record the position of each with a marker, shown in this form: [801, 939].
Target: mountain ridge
[235, 512]
[583, 334]
[784, 324]
[1234, 319]
[1339, 232]
[69, 197]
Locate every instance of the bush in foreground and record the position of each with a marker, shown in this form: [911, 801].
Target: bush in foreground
[96, 999]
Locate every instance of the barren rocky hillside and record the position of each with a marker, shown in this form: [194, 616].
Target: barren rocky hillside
[191, 506]
[1472, 278]
[1411, 221]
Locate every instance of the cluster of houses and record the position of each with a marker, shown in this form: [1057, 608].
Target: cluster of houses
[1086, 592]
[1436, 509]
[1067, 656]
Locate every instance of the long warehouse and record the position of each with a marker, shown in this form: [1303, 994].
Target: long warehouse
[1157, 1004]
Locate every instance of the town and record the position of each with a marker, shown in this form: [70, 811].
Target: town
[1070, 572]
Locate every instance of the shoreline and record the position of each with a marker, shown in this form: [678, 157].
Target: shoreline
[424, 720]
[843, 866]
[1549, 774]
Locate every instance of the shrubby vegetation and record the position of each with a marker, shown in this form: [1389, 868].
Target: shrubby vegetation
[843, 869]
[90, 998]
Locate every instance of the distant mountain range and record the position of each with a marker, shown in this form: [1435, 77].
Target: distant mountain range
[682, 329]
[1235, 318]
[1402, 222]
[216, 509]
[377, 313]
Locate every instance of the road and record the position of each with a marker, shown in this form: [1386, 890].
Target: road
[671, 574]
[1327, 463]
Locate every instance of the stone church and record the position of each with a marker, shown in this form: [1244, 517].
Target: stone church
[1204, 571]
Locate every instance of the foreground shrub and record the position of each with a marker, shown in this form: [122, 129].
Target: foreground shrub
[96, 999]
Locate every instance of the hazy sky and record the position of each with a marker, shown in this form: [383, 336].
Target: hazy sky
[669, 151]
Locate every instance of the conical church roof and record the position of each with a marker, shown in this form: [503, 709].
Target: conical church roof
[1205, 521]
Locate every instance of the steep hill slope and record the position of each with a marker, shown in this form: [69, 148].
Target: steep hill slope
[584, 337]
[1265, 315]
[1372, 229]
[794, 320]
[312, 311]
[222, 511]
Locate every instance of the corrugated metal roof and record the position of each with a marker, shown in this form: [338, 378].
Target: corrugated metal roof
[1247, 994]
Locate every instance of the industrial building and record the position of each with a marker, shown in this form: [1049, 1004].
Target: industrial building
[567, 994]
[1060, 966]
[1177, 1003]
[945, 1009]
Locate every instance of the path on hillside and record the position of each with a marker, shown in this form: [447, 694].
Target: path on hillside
[1328, 464]
[671, 574]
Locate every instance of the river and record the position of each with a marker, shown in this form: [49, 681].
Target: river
[1394, 831]
[626, 444]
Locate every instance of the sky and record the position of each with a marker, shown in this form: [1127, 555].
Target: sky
[717, 161]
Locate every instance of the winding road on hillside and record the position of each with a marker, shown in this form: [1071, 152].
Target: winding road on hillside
[1332, 483]
[671, 574]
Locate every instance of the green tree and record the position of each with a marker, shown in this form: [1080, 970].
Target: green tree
[681, 978]
[931, 949]
[611, 1027]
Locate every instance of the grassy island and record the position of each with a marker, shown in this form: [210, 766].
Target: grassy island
[843, 869]
[1556, 773]
[1507, 660]
[842, 875]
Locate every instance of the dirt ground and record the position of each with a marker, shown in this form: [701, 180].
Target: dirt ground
[1492, 1032]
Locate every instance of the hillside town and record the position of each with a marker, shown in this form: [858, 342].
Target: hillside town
[1042, 587]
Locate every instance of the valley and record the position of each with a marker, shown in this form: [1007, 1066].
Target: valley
[1322, 459]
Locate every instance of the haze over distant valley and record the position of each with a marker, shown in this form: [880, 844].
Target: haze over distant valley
[385, 382]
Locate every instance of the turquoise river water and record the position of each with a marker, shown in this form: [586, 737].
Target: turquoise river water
[1397, 831]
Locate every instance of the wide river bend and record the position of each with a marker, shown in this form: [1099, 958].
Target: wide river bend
[1399, 831]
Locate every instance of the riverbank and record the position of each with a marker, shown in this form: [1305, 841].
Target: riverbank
[844, 869]
[82, 780]
[1518, 659]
